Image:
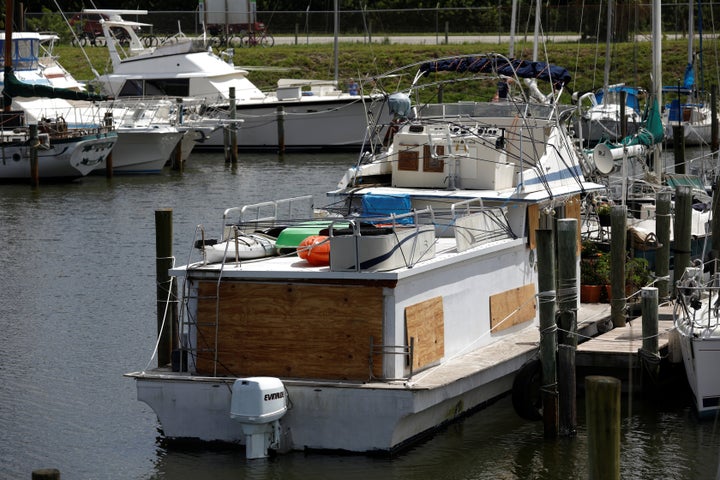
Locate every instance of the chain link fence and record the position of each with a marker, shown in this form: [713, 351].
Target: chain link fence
[586, 22]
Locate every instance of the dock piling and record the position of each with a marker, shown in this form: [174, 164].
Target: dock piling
[46, 474]
[602, 404]
[34, 143]
[662, 255]
[548, 330]
[165, 288]
[567, 321]
[618, 240]
[281, 129]
[679, 148]
[648, 354]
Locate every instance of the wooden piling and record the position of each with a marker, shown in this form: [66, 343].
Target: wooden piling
[648, 354]
[567, 279]
[548, 330]
[567, 229]
[109, 165]
[679, 148]
[166, 289]
[618, 240]
[34, 168]
[602, 405]
[682, 230]
[177, 155]
[567, 388]
[46, 474]
[662, 254]
[233, 128]
[281, 129]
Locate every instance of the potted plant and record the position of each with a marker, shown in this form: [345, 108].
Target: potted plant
[594, 277]
[603, 213]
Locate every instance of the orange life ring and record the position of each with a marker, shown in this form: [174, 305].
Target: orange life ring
[315, 249]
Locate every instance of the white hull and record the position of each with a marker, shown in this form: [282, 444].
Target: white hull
[701, 356]
[142, 150]
[694, 134]
[336, 416]
[331, 124]
[65, 160]
[698, 327]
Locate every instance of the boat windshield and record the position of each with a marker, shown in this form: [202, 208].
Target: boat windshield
[25, 53]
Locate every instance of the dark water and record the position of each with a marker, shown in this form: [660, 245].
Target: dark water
[77, 310]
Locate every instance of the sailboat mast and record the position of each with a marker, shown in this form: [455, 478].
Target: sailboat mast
[657, 74]
[8, 47]
[513, 21]
[537, 30]
[608, 39]
[336, 29]
[691, 33]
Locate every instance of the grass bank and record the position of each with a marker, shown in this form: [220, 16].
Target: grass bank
[631, 62]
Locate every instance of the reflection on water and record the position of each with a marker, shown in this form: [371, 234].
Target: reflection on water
[78, 311]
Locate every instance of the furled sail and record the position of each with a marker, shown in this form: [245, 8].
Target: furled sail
[15, 88]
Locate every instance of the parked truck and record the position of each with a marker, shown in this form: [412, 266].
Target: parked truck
[226, 17]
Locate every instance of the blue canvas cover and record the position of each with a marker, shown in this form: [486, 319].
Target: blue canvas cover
[375, 205]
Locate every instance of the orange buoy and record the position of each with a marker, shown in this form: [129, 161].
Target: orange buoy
[315, 249]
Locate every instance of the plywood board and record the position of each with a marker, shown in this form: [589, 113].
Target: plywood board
[289, 330]
[425, 323]
[533, 213]
[408, 160]
[572, 210]
[512, 307]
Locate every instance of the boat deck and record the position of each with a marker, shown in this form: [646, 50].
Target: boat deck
[293, 267]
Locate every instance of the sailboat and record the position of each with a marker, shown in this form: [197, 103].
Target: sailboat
[62, 153]
[694, 114]
[603, 119]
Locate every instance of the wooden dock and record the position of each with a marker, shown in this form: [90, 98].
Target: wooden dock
[617, 348]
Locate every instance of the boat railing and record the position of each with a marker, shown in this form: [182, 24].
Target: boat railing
[476, 224]
[265, 215]
[406, 351]
[692, 292]
[410, 231]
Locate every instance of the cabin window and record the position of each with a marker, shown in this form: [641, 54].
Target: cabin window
[171, 87]
[131, 88]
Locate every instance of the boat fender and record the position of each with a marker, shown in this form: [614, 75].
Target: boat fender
[526, 397]
[315, 249]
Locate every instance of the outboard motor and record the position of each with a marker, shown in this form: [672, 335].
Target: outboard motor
[258, 403]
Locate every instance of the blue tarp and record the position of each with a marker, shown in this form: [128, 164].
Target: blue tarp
[523, 68]
[376, 205]
[631, 98]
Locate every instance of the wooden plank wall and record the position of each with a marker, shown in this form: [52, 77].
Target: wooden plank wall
[290, 330]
